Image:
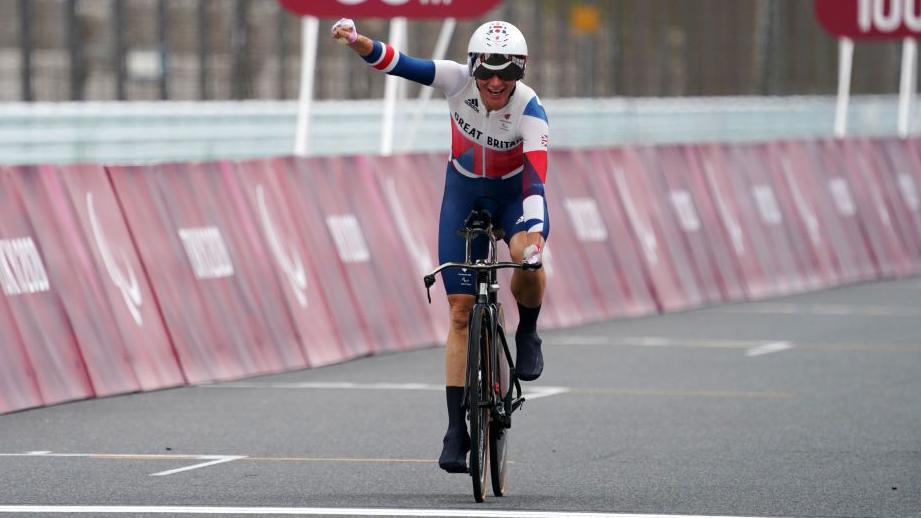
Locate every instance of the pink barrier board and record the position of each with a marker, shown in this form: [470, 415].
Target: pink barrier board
[132, 308]
[804, 228]
[357, 222]
[682, 200]
[876, 167]
[18, 386]
[899, 168]
[414, 201]
[348, 317]
[737, 218]
[813, 222]
[673, 285]
[860, 185]
[692, 179]
[258, 187]
[197, 267]
[843, 224]
[592, 267]
[762, 210]
[73, 274]
[29, 285]
[627, 259]
[248, 227]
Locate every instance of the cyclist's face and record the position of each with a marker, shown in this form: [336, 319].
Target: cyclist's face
[495, 92]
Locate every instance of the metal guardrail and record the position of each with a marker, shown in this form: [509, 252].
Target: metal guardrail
[144, 132]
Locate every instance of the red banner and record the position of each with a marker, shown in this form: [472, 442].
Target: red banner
[390, 8]
[860, 19]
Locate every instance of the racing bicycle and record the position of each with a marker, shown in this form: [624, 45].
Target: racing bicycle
[492, 391]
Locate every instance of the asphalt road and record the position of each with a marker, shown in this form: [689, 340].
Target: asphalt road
[805, 406]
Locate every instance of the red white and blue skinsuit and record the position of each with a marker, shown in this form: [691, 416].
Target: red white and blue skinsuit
[498, 159]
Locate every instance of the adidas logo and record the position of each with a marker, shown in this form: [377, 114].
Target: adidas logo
[473, 103]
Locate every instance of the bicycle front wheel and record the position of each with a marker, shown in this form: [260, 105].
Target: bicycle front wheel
[498, 433]
[478, 393]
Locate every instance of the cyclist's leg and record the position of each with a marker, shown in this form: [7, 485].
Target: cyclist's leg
[528, 290]
[459, 198]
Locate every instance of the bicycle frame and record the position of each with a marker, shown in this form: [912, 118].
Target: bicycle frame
[487, 290]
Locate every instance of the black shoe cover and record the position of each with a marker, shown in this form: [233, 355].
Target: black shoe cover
[454, 454]
[529, 362]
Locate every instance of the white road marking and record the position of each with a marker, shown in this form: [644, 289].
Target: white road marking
[769, 308]
[656, 341]
[323, 511]
[769, 348]
[218, 459]
[533, 393]
[212, 459]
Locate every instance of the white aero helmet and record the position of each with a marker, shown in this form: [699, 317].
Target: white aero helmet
[497, 48]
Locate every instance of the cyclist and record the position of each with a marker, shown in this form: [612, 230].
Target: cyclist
[498, 162]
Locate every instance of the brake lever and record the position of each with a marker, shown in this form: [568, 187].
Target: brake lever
[532, 267]
[429, 282]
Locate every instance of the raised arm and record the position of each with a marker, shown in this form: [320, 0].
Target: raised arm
[447, 76]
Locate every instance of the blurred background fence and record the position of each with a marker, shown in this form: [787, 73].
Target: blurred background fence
[58, 50]
[211, 79]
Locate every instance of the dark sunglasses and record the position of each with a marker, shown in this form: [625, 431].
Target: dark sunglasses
[506, 66]
[510, 73]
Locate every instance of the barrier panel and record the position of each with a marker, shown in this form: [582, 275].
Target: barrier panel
[198, 267]
[737, 215]
[860, 184]
[680, 187]
[754, 186]
[29, 279]
[347, 315]
[413, 201]
[257, 290]
[258, 188]
[844, 224]
[579, 217]
[73, 280]
[867, 154]
[378, 269]
[635, 287]
[132, 307]
[899, 166]
[18, 386]
[808, 221]
[672, 285]
[692, 179]
[135, 278]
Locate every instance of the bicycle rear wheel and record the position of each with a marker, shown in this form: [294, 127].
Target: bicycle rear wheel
[498, 433]
[478, 393]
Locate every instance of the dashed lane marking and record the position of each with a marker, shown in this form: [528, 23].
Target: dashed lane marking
[322, 511]
[769, 348]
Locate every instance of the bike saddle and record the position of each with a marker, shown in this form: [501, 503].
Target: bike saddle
[478, 219]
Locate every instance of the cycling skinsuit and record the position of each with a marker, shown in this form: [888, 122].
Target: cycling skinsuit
[498, 159]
